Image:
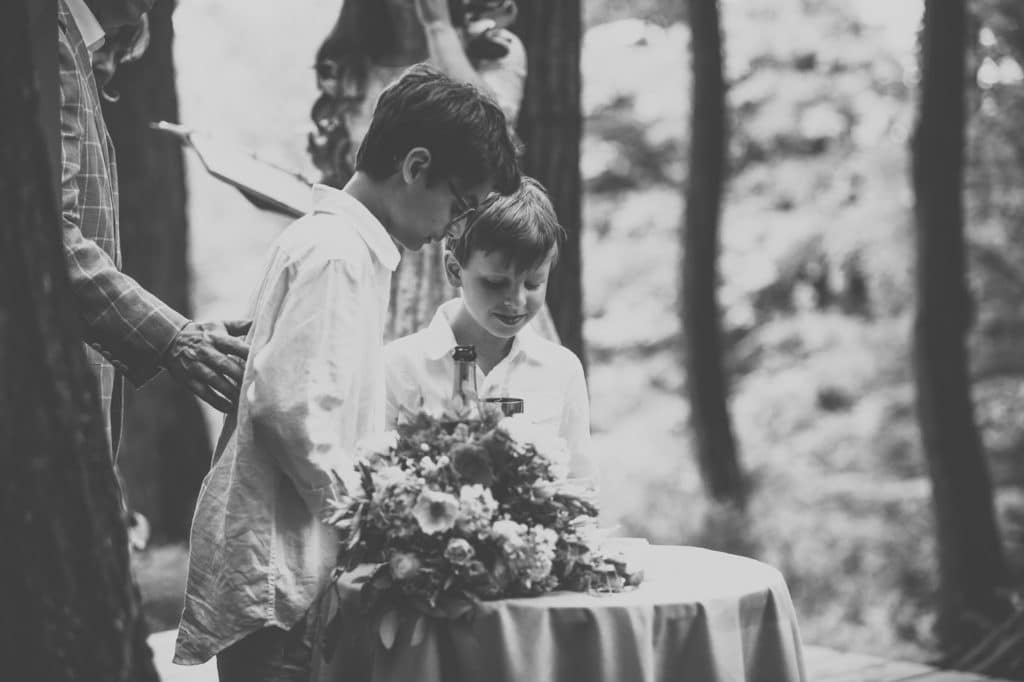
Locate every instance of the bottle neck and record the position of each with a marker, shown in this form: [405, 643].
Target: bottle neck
[464, 383]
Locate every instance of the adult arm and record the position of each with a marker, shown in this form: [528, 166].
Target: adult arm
[502, 78]
[132, 328]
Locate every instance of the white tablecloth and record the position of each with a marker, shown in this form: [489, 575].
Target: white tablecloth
[699, 616]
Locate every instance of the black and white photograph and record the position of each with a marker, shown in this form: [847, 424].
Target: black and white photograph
[512, 341]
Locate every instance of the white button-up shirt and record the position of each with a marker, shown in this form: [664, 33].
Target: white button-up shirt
[313, 386]
[548, 377]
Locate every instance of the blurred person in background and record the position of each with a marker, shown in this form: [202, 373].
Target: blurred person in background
[370, 46]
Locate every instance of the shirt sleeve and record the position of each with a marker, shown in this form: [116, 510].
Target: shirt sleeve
[506, 77]
[305, 378]
[123, 321]
[392, 382]
[575, 428]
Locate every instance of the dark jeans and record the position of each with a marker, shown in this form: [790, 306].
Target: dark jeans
[267, 655]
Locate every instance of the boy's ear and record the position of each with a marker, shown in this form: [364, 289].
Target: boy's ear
[452, 269]
[415, 165]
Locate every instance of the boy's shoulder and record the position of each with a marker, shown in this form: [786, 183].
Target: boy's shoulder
[407, 348]
[321, 237]
[555, 355]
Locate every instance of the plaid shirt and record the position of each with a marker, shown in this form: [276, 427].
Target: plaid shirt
[126, 327]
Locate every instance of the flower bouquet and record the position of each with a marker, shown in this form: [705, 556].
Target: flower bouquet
[449, 513]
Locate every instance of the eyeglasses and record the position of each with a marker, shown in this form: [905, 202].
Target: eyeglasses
[463, 210]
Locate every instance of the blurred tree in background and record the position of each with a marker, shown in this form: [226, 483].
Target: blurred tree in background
[551, 127]
[698, 295]
[71, 612]
[165, 449]
[816, 290]
[971, 561]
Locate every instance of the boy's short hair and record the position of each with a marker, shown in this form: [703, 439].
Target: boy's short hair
[464, 129]
[522, 226]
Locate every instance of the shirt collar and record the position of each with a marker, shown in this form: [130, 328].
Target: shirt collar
[90, 28]
[439, 339]
[330, 200]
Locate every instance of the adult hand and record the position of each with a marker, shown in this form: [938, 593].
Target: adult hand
[433, 11]
[209, 359]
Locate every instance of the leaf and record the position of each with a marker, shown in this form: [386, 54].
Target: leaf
[388, 629]
[353, 540]
[419, 630]
[328, 607]
[338, 515]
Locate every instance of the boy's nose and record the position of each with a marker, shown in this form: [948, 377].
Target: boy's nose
[518, 296]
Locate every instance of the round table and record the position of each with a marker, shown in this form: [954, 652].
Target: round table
[699, 616]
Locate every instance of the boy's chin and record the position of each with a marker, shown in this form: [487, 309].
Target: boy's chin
[503, 331]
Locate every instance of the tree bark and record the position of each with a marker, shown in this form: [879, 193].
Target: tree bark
[701, 320]
[551, 127]
[70, 611]
[971, 560]
[165, 449]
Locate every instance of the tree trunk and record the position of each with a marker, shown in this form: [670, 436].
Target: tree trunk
[551, 126]
[70, 611]
[971, 561]
[165, 450]
[701, 321]
[44, 60]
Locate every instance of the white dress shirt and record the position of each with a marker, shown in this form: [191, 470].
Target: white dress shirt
[313, 386]
[548, 377]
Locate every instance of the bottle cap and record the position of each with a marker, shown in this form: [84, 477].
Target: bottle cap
[464, 353]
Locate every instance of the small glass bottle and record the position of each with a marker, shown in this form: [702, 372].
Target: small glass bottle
[464, 391]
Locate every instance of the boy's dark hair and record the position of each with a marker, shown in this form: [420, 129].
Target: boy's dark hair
[522, 226]
[465, 131]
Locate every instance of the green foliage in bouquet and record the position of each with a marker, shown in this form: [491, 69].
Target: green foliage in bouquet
[451, 513]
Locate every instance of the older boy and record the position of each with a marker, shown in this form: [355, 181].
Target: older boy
[501, 262]
[313, 385]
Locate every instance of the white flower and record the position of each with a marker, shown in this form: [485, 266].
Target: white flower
[459, 552]
[404, 565]
[508, 531]
[476, 508]
[390, 476]
[435, 511]
[472, 492]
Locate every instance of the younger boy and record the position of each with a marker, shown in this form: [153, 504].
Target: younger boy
[313, 384]
[502, 262]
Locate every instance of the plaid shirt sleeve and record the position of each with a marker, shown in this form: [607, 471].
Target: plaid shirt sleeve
[127, 324]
